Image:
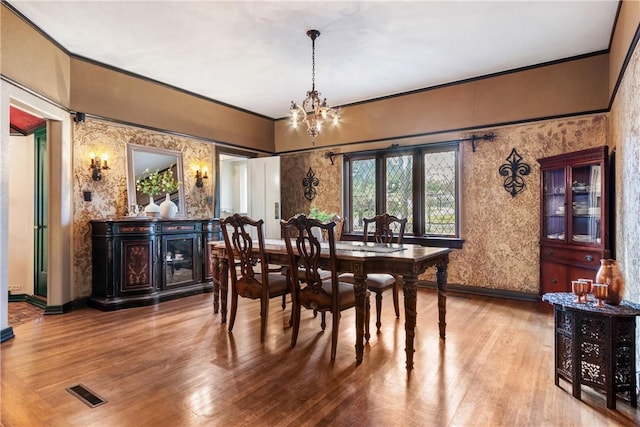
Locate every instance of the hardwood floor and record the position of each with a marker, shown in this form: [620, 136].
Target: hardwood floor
[174, 364]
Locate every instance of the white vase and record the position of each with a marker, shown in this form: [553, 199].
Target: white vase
[152, 209]
[168, 209]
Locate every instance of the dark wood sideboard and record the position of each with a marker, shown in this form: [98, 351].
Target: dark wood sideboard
[142, 261]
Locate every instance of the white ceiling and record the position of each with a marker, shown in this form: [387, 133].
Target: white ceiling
[256, 55]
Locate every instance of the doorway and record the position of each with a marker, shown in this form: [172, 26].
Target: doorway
[28, 207]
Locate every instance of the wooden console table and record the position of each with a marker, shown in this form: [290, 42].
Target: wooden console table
[595, 346]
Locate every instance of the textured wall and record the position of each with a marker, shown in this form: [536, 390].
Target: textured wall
[501, 232]
[625, 135]
[294, 168]
[109, 196]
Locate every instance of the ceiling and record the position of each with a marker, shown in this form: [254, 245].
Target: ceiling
[255, 55]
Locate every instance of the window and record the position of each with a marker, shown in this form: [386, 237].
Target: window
[419, 184]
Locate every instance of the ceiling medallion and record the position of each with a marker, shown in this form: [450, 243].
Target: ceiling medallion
[312, 111]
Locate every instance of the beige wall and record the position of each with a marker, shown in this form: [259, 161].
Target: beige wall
[626, 28]
[109, 195]
[624, 134]
[501, 232]
[32, 60]
[560, 89]
[21, 183]
[566, 88]
[108, 93]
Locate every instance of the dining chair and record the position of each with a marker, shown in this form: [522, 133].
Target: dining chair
[251, 276]
[309, 290]
[383, 232]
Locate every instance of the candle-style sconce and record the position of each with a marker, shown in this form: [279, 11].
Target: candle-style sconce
[201, 173]
[98, 165]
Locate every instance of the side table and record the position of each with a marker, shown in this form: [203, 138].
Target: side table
[595, 346]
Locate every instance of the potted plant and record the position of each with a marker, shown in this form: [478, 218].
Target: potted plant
[155, 183]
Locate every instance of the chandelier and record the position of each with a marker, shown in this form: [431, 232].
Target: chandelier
[313, 112]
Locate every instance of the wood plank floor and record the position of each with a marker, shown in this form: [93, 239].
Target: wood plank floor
[174, 364]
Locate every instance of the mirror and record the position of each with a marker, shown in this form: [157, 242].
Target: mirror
[141, 158]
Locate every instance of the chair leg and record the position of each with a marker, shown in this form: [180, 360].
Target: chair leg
[295, 318]
[264, 317]
[323, 321]
[378, 309]
[334, 333]
[234, 309]
[284, 301]
[395, 298]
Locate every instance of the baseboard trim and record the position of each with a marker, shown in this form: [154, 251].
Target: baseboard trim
[487, 292]
[17, 297]
[6, 334]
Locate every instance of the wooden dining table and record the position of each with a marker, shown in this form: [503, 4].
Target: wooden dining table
[359, 258]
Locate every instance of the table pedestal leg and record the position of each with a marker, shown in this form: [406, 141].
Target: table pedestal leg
[360, 289]
[410, 290]
[441, 283]
[224, 284]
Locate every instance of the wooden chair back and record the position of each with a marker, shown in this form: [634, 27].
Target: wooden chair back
[237, 231]
[306, 255]
[383, 229]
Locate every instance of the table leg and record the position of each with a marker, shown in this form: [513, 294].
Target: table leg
[441, 283]
[360, 289]
[215, 272]
[410, 291]
[224, 284]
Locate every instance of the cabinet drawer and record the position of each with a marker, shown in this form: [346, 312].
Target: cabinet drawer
[571, 256]
[554, 278]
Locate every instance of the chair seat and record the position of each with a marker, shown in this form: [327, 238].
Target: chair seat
[278, 284]
[322, 301]
[376, 281]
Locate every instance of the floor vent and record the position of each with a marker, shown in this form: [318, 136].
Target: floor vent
[87, 396]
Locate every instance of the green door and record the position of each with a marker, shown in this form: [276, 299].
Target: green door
[40, 213]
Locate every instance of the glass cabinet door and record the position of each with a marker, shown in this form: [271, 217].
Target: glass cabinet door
[586, 202]
[554, 204]
[180, 260]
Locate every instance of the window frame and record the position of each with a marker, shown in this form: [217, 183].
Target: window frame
[416, 234]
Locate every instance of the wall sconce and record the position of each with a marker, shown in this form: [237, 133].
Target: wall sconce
[97, 165]
[200, 175]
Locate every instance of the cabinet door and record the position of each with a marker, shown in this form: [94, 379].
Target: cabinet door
[137, 265]
[554, 278]
[554, 208]
[586, 204]
[182, 260]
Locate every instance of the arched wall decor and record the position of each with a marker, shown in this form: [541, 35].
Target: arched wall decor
[513, 171]
[309, 183]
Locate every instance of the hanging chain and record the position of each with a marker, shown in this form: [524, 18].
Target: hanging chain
[313, 64]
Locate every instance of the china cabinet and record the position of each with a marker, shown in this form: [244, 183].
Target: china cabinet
[573, 217]
[142, 261]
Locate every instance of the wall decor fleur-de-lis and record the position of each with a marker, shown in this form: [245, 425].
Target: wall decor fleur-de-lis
[513, 171]
[309, 183]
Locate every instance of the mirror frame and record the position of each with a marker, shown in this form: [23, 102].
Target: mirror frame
[131, 177]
